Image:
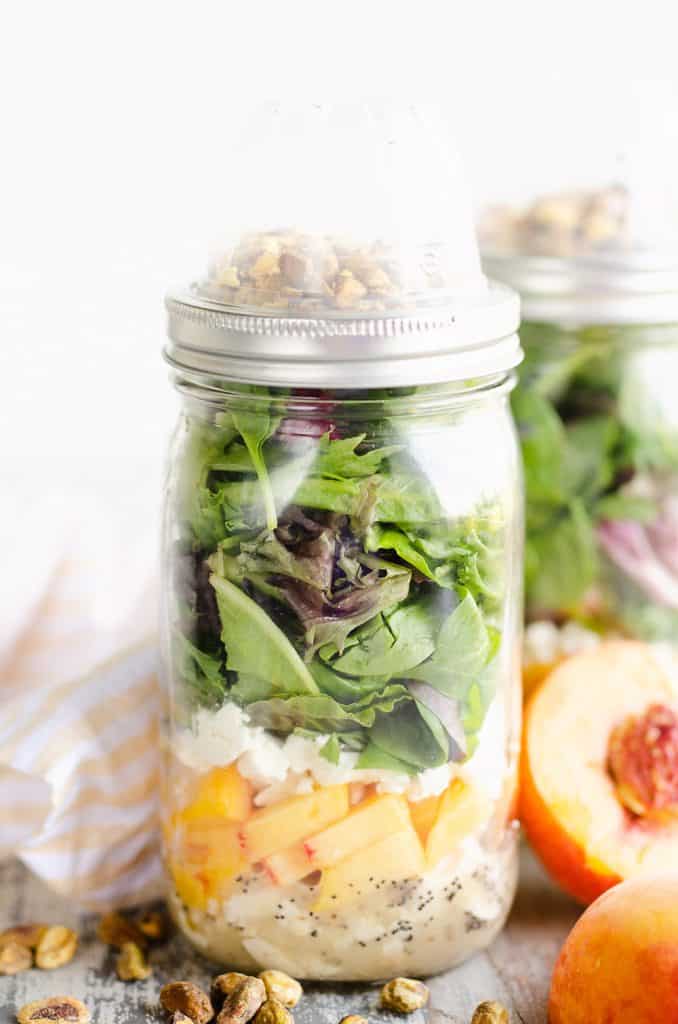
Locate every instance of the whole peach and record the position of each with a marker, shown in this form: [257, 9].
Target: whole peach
[619, 965]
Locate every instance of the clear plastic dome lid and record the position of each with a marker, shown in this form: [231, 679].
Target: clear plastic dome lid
[593, 238]
[343, 211]
[344, 254]
[614, 200]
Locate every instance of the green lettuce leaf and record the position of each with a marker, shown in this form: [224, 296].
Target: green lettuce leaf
[390, 645]
[390, 538]
[412, 734]
[338, 459]
[561, 559]
[255, 427]
[254, 644]
[323, 714]
[460, 652]
[342, 688]
[200, 673]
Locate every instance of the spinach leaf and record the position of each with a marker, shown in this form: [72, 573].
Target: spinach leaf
[589, 462]
[544, 445]
[460, 653]
[254, 644]
[561, 560]
[398, 641]
[372, 757]
[479, 694]
[200, 672]
[247, 689]
[342, 688]
[412, 734]
[255, 428]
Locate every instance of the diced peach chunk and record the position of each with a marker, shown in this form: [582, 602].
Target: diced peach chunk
[371, 820]
[222, 793]
[283, 824]
[393, 858]
[462, 810]
[190, 887]
[424, 813]
[213, 844]
[289, 865]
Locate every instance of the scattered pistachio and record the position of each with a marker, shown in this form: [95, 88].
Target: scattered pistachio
[273, 1012]
[57, 1008]
[130, 964]
[14, 958]
[354, 1018]
[56, 947]
[187, 998]
[116, 930]
[490, 1013]
[153, 924]
[243, 1002]
[27, 935]
[404, 995]
[282, 987]
[223, 985]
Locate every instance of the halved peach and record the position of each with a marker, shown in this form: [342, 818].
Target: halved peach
[534, 675]
[599, 769]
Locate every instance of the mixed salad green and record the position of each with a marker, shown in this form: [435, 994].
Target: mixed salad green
[322, 587]
[601, 473]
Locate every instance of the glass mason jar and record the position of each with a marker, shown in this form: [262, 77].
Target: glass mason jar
[598, 422]
[342, 612]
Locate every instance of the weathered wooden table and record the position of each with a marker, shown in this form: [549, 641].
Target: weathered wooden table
[515, 970]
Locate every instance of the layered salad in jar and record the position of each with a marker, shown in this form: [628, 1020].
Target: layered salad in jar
[341, 772]
[597, 422]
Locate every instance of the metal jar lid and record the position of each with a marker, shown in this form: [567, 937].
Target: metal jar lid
[627, 287]
[434, 345]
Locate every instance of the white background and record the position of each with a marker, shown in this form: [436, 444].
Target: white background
[117, 120]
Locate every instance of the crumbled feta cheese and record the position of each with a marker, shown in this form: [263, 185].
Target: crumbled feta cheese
[279, 769]
[216, 738]
[541, 645]
[575, 638]
[546, 643]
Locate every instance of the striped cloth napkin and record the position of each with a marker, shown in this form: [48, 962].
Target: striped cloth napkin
[79, 699]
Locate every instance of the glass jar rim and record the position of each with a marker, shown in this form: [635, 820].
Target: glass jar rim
[434, 345]
[634, 286]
